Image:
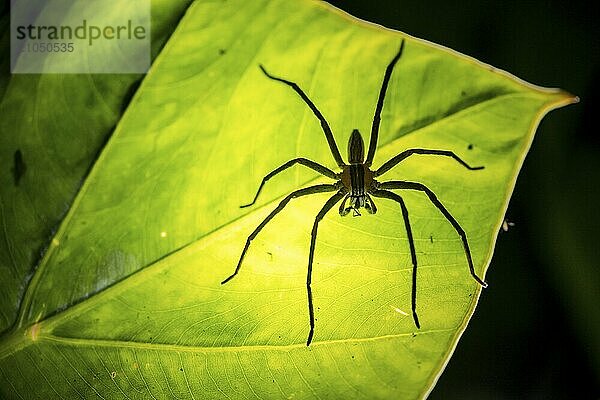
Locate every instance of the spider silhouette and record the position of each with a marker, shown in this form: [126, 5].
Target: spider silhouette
[355, 185]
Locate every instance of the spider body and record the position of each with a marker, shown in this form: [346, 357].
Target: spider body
[356, 185]
[357, 179]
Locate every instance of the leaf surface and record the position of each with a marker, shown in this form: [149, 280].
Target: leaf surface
[58, 123]
[127, 301]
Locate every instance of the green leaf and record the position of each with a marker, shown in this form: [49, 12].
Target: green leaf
[58, 123]
[126, 300]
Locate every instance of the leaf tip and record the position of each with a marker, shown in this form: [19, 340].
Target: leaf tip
[568, 98]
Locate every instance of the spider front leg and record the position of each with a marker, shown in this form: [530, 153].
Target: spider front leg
[407, 153]
[433, 198]
[282, 204]
[377, 116]
[313, 239]
[303, 161]
[411, 244]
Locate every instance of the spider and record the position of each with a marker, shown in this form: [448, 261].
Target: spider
[355, 186]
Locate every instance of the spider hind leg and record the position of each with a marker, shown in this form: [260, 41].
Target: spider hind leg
[335, 152]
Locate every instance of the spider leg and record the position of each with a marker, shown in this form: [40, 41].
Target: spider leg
[313, 239]
[407, 153]
[379, 107]
[411, 243]
[326, 129]
[303, 161]
[433, 198]
[282, 204]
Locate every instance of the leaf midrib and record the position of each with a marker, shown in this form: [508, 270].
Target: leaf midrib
[121, 344]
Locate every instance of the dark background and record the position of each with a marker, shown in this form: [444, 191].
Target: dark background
[536, 331]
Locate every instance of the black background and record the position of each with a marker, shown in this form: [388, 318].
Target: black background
[536, 331]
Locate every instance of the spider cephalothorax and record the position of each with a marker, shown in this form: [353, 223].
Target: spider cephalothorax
[355, 185]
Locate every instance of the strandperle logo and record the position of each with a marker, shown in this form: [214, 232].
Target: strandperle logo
[76, 36]
[83, 31]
